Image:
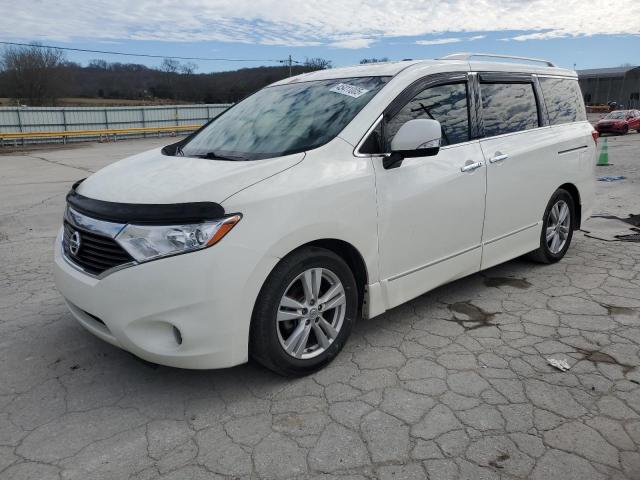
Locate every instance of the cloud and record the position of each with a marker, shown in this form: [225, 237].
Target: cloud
[538, 36]
[439, 41]
[446, 40]
[313, 22]
[353, 43]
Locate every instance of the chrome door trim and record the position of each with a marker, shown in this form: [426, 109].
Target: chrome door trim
[431, 264]
[510, 233]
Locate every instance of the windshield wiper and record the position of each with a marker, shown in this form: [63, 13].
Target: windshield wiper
[215, 156]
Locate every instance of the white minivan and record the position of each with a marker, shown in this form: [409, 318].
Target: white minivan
[323, 198]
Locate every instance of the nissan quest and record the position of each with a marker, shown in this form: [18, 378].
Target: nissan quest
[322, 199]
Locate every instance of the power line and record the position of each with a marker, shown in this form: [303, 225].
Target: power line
[147, 55]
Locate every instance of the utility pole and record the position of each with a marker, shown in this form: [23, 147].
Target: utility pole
[290, 62]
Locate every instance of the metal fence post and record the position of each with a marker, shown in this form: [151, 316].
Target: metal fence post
[64, 123]
[19, 119]
[19, 124]
[106, 119]
[144, 121]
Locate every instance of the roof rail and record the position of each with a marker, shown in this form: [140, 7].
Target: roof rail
[467, 56]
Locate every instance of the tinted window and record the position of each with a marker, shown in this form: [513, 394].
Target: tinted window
[619, 114]
[445, 103]
[563, 99]
[508, 107]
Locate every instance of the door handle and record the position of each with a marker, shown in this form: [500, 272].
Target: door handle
[470, 167]
[498, 157]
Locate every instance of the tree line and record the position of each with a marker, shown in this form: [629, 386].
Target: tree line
[39, 76]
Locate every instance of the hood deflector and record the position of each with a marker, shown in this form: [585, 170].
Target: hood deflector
[144, 213]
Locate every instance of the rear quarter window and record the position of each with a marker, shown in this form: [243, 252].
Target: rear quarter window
[563, 99]
[508, 108]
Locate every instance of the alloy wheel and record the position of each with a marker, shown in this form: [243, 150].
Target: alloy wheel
[558, 225]
[311, 313]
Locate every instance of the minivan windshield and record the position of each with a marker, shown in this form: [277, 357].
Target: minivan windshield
[283, 119]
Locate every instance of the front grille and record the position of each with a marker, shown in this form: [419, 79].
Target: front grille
[97, 253]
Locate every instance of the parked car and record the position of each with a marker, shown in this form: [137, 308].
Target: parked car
[321, 199]
[620, 122]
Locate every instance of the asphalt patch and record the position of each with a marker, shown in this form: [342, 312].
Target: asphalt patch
[596, 356]
[469, 316]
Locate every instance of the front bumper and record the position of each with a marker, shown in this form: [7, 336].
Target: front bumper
[208, 296]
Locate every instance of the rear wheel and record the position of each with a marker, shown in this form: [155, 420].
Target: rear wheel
[304, 312]
[625, 130]
[558, 224]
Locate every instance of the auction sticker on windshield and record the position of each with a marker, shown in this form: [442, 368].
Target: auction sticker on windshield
[349, 90]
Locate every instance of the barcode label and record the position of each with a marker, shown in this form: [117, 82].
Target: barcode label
[349, 90]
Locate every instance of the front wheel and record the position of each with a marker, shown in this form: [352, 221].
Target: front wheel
[304, 312]
[558, 224]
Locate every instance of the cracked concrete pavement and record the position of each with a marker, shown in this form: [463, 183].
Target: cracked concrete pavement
[454, 384]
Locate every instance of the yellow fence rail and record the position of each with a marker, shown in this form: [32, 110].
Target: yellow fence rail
[96, 133]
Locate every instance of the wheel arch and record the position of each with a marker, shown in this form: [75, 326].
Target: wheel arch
[351, 256]
[349, 253]
[575, 194]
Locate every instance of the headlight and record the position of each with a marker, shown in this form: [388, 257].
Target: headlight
[148, 242]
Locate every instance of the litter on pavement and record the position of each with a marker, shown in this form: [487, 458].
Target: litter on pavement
[561, 365]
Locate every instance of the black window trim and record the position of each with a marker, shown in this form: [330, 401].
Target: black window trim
[432, 80]
[510, 77]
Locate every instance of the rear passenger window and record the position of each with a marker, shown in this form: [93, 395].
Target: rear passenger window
[563, 99]
[508, 107]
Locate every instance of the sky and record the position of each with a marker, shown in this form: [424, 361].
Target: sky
[584, 33]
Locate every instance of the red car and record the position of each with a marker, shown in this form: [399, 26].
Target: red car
[619, 121]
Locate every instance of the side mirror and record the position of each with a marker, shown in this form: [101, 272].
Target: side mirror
[416, 138]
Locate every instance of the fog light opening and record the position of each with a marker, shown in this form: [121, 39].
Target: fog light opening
[177, 335]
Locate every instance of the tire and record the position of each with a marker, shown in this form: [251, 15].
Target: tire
[279, 323]
[548, 252]
[625, 130]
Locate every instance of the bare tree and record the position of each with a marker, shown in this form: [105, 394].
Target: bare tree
[317, 63]
[169, 65]
[33, 74]
[98, 64]
[188, 68]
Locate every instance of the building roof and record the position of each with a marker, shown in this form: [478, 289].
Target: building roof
[606, 72]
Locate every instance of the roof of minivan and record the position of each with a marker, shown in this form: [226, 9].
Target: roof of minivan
[383, 69]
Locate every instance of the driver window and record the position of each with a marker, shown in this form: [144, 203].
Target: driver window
[444, 103]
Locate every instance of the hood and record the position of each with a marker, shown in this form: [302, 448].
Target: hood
[152, 177]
